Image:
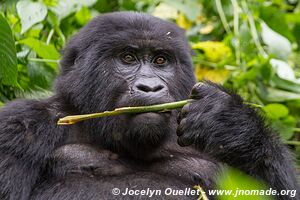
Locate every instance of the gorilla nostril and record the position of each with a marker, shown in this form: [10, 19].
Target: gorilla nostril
[157, 88]
[146, 88]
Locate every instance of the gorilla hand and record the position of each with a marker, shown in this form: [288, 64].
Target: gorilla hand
[219, 124]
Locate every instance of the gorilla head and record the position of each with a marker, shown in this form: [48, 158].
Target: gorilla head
[126, 59]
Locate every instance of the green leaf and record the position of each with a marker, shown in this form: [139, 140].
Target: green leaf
[285, 84]
[283, 69]
[276, 19]
[66, 7]
[245, 36]
[42, 49]
[285, 127]
[165, 11]
[276, 111]
[35, 31]
[50, 2]
[240, 186]
[8, 55]
[277, 44]
[83, 16]
[39, 75]
[53, 19]
[30, 13]
[296, 32]
[266, 70]
[190, 8]
[277, 95]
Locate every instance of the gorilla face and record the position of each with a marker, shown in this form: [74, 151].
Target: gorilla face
[127, 59]
[147, 72]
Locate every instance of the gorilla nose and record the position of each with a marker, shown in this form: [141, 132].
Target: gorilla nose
[149, 86]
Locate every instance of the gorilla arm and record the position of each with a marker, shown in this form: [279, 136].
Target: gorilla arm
[28, 134]
[220, 125]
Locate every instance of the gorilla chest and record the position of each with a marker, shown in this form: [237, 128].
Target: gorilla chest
[89, 172]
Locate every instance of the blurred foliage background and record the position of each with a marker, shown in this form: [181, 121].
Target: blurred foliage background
[251, 46]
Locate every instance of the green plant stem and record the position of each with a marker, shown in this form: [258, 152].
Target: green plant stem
[222, 16]
[68, 120]
[50, 36]
[61, 35]
[43, 60]
[254, 105]
[253, 30]
[296, 143]
[202, 195]
[236, 31]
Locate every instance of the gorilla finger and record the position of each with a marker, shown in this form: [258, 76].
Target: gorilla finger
[181, 127]
[197, 90]
[203, 89]
[184, 111]
[178, 118]
[185, 140]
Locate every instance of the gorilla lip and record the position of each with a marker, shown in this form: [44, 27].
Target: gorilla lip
[151, 114]
[146, 117]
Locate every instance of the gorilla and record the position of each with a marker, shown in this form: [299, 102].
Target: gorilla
[133, 59]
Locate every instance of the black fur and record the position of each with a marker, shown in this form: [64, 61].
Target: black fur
[40, 160]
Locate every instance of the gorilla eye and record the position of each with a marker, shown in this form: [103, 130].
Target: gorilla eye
[128, 58]
[160, 60]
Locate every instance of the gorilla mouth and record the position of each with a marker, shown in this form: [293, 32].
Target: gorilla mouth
[140, 100]
[146, 116]
[149, 117]
[152, 119]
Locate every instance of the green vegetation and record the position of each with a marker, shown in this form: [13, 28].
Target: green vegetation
[251, 46]
[242, 187]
